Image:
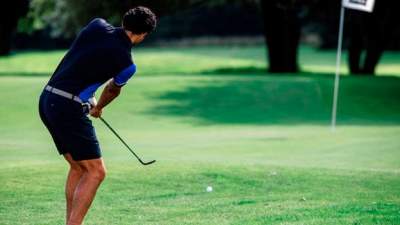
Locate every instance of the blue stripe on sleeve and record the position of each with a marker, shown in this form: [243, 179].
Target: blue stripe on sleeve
[125, 75]
[89, 92]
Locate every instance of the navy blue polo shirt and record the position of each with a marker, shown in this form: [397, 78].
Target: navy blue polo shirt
[99, 53]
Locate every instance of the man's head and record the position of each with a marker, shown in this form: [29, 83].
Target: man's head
[138, 22]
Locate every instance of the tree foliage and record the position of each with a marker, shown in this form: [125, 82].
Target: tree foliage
[284, 21]
[66, 17]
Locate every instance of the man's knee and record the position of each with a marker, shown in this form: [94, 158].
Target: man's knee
[94, 169]
[98, 173]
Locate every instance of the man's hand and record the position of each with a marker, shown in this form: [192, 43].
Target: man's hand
[96, 112]
[110, 92]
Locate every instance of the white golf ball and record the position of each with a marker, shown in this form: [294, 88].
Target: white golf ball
[209, 189]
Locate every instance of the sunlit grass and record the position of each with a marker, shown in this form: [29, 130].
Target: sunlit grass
[171, 61]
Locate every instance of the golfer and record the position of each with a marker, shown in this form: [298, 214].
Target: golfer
[101, 54]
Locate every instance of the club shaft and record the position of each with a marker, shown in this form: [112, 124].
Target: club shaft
[126, 145]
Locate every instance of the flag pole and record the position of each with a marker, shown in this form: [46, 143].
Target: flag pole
[338, 64]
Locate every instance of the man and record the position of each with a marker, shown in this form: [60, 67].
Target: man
[100, 54]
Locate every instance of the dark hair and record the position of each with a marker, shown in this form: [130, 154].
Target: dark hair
[139, 20]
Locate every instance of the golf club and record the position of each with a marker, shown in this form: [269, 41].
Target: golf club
[143, 163]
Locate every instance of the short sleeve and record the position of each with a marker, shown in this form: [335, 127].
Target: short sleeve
[122, 78]
[99, 23]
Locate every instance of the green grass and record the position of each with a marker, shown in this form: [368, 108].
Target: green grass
[262, 142]
[204, 60]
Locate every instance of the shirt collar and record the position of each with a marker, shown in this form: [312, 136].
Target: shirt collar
[121, 33]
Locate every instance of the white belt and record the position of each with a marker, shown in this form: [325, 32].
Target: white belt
[62, 93]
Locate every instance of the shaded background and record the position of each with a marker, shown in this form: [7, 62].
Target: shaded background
[282, 25]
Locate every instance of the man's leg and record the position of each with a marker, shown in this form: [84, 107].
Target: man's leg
[93, 174]
[74, 176]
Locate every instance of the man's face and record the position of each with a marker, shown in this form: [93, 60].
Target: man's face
[137, 38]
[140, 38]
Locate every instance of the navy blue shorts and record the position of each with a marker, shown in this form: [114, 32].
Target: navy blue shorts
[71, 130]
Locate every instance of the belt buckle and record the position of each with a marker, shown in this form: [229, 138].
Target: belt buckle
[86, 108]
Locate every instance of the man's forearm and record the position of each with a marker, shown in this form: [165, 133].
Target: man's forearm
[110, 92]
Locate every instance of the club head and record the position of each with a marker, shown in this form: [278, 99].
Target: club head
[148, 163]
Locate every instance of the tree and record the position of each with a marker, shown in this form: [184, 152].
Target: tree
[9, 17]
[66, 17]
[369, 34]
[282, 30]
[282, 34]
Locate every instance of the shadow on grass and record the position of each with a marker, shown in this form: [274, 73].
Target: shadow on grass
[237, 71]
[246, 96]
[24, 74]
[291, 99]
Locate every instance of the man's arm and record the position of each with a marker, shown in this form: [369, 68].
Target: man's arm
[110, 92]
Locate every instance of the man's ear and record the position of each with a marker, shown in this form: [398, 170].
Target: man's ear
[141, 36]
[130, 35]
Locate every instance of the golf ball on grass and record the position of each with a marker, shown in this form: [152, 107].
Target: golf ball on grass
[209, 189]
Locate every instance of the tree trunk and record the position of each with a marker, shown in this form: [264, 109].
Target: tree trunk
[5, 40]
[282, 34]
[369, 34]
[9, 16]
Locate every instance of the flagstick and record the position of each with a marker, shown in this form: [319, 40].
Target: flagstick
[338, 63]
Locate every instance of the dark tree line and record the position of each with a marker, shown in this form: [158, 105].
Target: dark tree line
[10, 13]
[282, 19]
[369, 34]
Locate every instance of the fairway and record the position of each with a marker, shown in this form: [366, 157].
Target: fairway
[210, 117]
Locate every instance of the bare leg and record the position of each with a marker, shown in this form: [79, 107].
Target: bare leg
[85, 191]
[74, 176]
